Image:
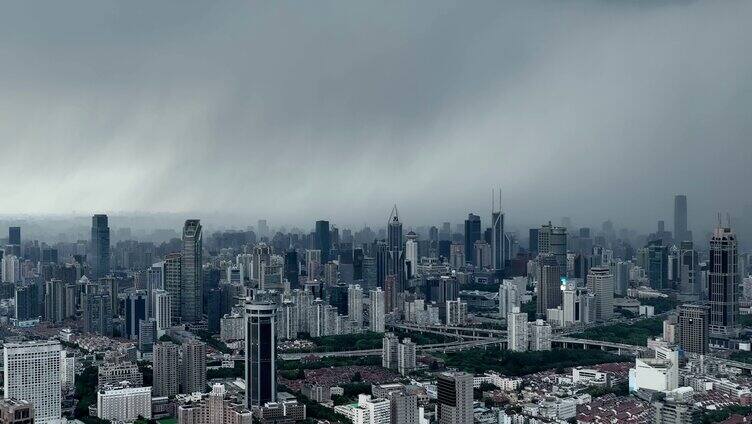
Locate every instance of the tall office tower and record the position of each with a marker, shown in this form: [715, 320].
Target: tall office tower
[136, 309]
[621, 277]
[97, 308]
[390, 293]
[517, 330]
[292, 268]
[411, 254]
[509, 297]
[539, 332]
[166, 365]
[156, 277]
[549, 283]
[693, 327]
[261, 257]
[191, 284]
[147, 335]
[358, 264]
[376, 310]
[193, 367]
[173, 275]
[287, 321]
[472, 234]
[11, 269]
[313, 263]
[533, 241]
[406, 356]
[161, 310]
[553, 240]
[100, 246]
[455, 398]
[389, 352]
[723, 282]
[260, 351]
[657, 264]
[600, 282]
[689, 281]
[32, 373]
[54, 301]
[27, 302]
[680, 219]
[355, 306]
[497, 236]
[381, 250]
[395, 252]
[14, 236]
[323, 240]
[213, 309]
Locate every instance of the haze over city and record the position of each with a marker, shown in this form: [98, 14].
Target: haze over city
[591, 109]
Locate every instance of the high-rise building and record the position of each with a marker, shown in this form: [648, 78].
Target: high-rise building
[173, 276]
[97, 308]
[406, 355]
[680, 219]
[14, 236]
[100, 246]
[670, 411]
[456, 312]
[411, 254]
[136, 309]
[260, 351]
[32, 373]
[497, 235]
[657, 264]
[455, 398]
[355, 306]
[28, 303]
[540, 335]
[147, 335]
[162, 310]
[472, 234]
[395, 251]
[123, 403]
[509, 297]
[389, 351]
[191, 284]
[517, 330]
[553, 240]
[377, 310]
[693, 328]
[323, 240]
[292, 268]
[723, 282]
[600, 282]
[193, 367]
[166, 366]
[689, 280]
[577, 305]
[549, 283]
[533, 235]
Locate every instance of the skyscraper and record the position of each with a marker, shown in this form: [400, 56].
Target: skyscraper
[680, 219]
[323, 240]
[355, 306]
[191, 287]
[455, 398]
[553, 240]
[723, 282]
[172, 277]
[32, 373]
[100, 246]
[161, 310]
[472, 234]
[600, 282]
[517, 330]
[166, 366]
[657, 264]
[549, 283]
[376, 310]
[194, 366]
[260, 351]
[97, 308]
[136, 309]
[693, 327]
[497, 235]
[395, 252]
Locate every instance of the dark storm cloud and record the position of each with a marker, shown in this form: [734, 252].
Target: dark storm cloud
[298, 110]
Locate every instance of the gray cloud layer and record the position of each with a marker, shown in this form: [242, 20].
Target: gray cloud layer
[298, 110]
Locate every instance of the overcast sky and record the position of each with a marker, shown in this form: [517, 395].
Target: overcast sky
[296, 111]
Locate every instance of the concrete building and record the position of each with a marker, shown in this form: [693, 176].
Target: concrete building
[600, 282]
[192, 274]
[162, 310]
[456, 312]
[15, 411]
[212, 408]
[166, 365]
[693, 328]
[540, 335]
[193, 366]
[406, 356]
[517, 335]
[368, 410]
[123, 404]
[114, 373]
[32, 373]
[355, 306]
[376, 310]
[455, 398]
